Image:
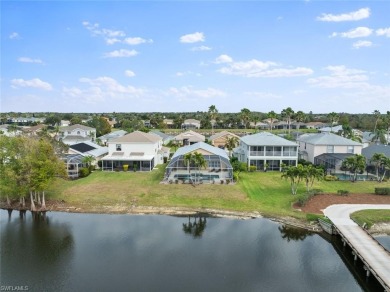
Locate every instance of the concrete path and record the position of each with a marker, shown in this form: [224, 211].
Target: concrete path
[375, 257]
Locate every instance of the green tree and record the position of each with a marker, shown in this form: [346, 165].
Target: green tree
[75, 120]
[300, 117]
[379, 136]
[377, 115]
[245, 116]
[213, 113]
[231, 143]
[272, 117]
[294, 174]
[288, 113]
[188, 160]
[200, 162]
[377, 159]
[386, 166]
[355, 164]
[311, 173]
[333, 119]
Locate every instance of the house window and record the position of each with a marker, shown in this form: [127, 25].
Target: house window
[118, 147]
[330, 149]
[69, 132]
[350, 149]
[78, 132]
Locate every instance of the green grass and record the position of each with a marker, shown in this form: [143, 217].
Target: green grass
[266, 192]
[370, 217]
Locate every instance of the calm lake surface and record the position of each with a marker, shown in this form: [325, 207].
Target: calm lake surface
[90, 252]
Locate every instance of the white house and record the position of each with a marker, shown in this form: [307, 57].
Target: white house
[190, 124]
[76, 134]
[266, 151]
[313, 145]
[134, 151]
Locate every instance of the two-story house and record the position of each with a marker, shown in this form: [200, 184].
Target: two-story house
[136, 151]
[189, 138]
[327, 148]
[266, 151]
[190, 124]
[76, 134]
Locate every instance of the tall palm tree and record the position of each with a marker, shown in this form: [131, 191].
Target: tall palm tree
[188, 160]
[386, 166]
[288, 114]
[245, 116]
[230, 144]
[355, 164]
[379, 136]
[377, 115]
[300, 117]
[377, 158]
[199, 162]
[213, 113]
[272, 117]
[333, 118]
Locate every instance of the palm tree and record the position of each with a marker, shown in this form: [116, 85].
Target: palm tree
[200, 162]
[245, 116]
[188, 159]
[355, 164]
[272, 117]
[377, 158]
[333, 119]
[300, 116]
[377, 115]
[231, 143]
[288, 114]
[213, 113]
[379, 136]
[88, 160]
[386, 166]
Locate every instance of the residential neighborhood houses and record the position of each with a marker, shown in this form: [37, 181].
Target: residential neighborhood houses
[317, 142]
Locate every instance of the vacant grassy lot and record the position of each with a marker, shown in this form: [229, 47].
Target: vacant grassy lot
[266, 193]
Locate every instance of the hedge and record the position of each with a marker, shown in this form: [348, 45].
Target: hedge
[382, 191]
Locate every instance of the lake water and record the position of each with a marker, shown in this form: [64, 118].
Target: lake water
[91, 252]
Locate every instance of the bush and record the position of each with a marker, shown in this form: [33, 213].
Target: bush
[252, 168]
[84, 172]
[315, 192]
[343, 192]
[330, 178]
[382, 191]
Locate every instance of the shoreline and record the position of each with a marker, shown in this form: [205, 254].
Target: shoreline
[378, 229]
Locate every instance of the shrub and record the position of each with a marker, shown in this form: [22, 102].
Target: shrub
[252, 168]
[84, 172]
[315, 192]
[330, 178]
[343, 192]
[382, 191]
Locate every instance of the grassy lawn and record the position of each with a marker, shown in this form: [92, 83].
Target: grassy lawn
[371, 217]
[258, 191]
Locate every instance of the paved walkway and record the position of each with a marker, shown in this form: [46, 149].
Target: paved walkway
[373, 254]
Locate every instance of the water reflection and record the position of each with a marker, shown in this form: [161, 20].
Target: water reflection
[196, 227]
[34, 250]
[292, 233]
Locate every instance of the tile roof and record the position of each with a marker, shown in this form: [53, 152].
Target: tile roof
[77, 126]
[369, 151]
[191, 136]
[265, 138]
[327, 139]
[137, 137]
[200, 145]
[221, 134]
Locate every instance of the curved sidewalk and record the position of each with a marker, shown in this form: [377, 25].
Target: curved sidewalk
[374, 256]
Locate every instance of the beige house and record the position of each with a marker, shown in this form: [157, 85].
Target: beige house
[190, 124]
[313, 145]
[219, 139]
[189, 138]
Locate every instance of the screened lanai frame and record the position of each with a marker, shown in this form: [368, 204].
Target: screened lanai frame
[217, 168]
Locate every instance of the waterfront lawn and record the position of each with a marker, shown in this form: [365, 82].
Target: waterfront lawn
[370, 217]
[266, 192]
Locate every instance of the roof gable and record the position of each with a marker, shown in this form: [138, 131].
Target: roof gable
[266, 138]
[221, 134]
[201, 147]
[137, 137]
[327, 139]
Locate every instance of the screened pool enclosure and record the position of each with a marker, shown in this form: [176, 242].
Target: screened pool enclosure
[217, 168]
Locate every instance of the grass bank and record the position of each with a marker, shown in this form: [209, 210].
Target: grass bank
[263, 192]
[370, 217]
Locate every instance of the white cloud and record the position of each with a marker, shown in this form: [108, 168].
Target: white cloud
[129, 73]
[136, 41]
[358, 32]
[360, 44]
[111, 41]
[383, 32]
[109, 33]
[14, 36]
[256, 68]
[35, 83]
[181, 74]
[341, 77]
[223, 59]
[192, 38]
[201, 48]
[351, 16]
[29, 60]
[101, 89]
[121, 53]
[188, 92]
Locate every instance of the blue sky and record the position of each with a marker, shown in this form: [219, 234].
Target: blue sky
[168, 56]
